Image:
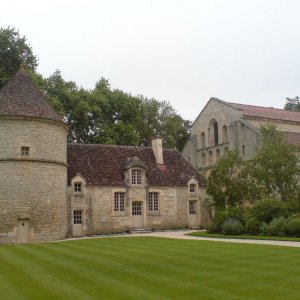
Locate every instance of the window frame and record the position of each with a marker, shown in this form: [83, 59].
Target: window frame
[119, 202]
[77, 217]
[78, 187]
[136, 177]
[193, 188]
[25, 150]
[153, 202]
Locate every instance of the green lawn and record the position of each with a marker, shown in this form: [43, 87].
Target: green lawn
[244, 236]
[148, 268]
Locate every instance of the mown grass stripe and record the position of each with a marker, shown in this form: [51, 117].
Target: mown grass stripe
[157, 268]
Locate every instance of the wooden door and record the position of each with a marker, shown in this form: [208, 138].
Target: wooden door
[137, 214]
[23, 231]
[193, 216]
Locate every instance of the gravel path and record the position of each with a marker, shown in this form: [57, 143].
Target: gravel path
[182, 235]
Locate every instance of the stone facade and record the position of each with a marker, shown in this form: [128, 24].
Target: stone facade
[223, 126]
[51, 190]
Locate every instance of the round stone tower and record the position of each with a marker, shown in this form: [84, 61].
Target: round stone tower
[33, 168]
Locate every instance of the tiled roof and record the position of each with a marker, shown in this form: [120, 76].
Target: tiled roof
[267, 112]
[21, 98]
[292, 137]
[104, 165]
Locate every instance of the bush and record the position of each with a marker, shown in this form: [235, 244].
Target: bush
[267, 210]
[293, 228]
[276, 227]
[232, 226]
[252, 226]
[223, 216]
[220, 218]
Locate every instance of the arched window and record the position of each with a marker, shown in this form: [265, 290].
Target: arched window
[218, 154]
[210, 157]
[202, 140]
[214, 133]
[224, 134]
[203, 159]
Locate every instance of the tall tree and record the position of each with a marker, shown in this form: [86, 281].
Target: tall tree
[292, 104]
[14, 51]
[276, 164]
[230, 183]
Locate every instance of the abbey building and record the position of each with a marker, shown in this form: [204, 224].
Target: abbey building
[222, 126]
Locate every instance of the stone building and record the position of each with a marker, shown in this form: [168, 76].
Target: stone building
[223, 126]
[51, 190]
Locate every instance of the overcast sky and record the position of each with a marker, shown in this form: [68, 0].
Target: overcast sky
[185, 51]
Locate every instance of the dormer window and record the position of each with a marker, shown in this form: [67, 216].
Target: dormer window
[24, 151]
[77, 187]
[136, 176]
[192, 188]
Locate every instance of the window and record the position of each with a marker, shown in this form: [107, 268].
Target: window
[192, 207]
[119, 201]
[224, 134]
[203, 159]
[136, 176]
[192, 188]
[77, 187]
[153, 201]
[243, 150]
[77, 216]
[210, 157]
[214, 133]
[24, 151]
[202, 140]
[136, 208]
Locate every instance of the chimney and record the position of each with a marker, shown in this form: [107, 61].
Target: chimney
[158, 149]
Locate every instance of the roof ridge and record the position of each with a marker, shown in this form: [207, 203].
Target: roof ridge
[115, 146]
[268, 107]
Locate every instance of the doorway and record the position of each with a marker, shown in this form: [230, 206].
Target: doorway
[77, 223]
[23, 231]
[193, 216]
[137, 214]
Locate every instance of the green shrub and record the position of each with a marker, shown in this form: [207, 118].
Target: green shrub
[276, 227]
[293, 227]
[235, 213]
[232, 226]
[220, 218]
[267, 210]
[252, 226]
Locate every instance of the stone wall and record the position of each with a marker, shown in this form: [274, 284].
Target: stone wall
[35, 191]
[46, 139]
[33, 188]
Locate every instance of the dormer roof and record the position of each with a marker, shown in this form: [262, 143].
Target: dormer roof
[21, 98]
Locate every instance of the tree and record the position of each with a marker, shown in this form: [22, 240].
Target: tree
[230, 184]
[14, 51]
[276, 164]
[292, 104]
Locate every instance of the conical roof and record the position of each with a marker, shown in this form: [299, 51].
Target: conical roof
[21, 98]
